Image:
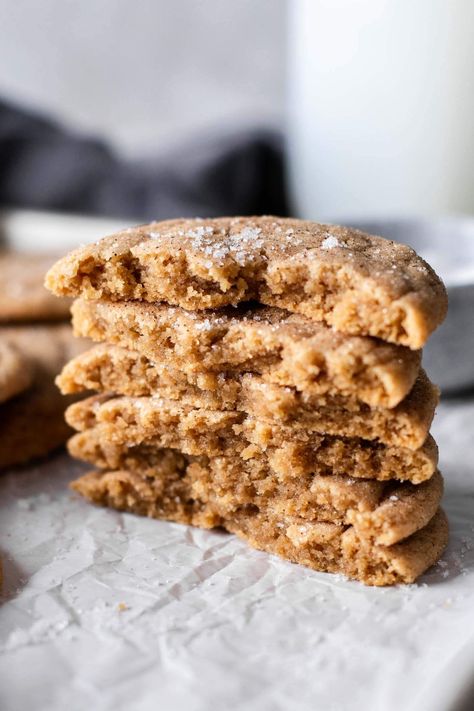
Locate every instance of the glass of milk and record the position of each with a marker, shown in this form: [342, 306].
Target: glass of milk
[381, 108]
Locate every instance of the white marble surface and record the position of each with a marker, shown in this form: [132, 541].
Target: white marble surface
[111, 612]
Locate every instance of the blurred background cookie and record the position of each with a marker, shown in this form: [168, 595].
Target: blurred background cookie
[22, 294]
[32, 423]
[16, 372]
[34, 345]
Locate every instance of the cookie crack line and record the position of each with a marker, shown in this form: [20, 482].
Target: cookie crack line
[360, 284]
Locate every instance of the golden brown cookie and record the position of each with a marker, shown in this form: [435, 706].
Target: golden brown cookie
[46, 346]
[330, 548]
[320, 545]
[299, 452]
[23, 296]
[111, 369]
[358, 283]
[198, 430]
[406, 425]
[16, 371]
[383, 511]
[293, 458]
[108, 369]
[285, 349]
[32, 424]
[164, 423]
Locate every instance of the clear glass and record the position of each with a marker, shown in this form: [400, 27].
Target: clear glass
[381, 108]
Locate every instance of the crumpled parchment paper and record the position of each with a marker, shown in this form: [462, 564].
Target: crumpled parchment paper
[108, 611]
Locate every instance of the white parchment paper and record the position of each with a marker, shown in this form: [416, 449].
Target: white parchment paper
[106, 611]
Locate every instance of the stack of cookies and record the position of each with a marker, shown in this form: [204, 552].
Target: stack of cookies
[262, 375]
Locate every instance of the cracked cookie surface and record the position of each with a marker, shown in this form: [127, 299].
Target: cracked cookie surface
[286, 349]
[200, 430]
[386, 512]
[360, 284]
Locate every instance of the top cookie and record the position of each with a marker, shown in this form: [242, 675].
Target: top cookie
[358, 283]
[22, 293]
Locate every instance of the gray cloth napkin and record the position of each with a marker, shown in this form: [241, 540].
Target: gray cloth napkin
[45, 166]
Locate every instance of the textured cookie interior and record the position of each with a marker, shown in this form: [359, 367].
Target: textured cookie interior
[383, 511]
[286, 349]
[198, 430]
[358, 283]
[320, 545]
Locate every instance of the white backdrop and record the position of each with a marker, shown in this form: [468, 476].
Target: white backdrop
[149, 71]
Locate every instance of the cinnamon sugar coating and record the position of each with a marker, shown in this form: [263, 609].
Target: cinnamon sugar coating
[357, 283]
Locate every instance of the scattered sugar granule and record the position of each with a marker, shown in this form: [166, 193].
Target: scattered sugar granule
[248, 233]
[393, 497]
[199, 232]
[330, 242]
[242, 258]
[205, 325]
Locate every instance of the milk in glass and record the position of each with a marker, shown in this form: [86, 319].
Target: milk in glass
[381, 107]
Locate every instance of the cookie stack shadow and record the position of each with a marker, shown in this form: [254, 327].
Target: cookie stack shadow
[262, 375]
